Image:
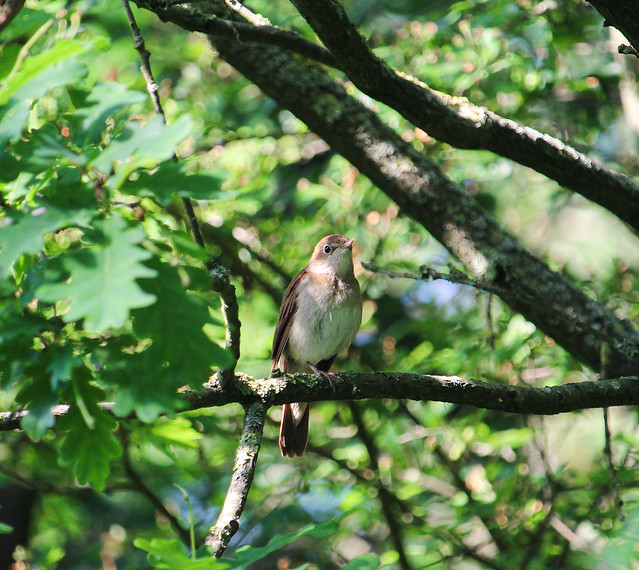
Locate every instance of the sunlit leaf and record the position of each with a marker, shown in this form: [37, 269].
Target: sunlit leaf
[102, 287]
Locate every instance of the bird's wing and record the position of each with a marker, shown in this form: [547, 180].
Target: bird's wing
[287, 313]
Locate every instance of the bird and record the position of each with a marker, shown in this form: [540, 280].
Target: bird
[320, 315]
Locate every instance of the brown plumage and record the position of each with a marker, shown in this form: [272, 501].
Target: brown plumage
[320, 316]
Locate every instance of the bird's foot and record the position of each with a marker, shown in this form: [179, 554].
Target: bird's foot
[276, 373]
[322, 373]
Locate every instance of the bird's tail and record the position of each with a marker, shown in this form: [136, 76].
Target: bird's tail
[294, 429]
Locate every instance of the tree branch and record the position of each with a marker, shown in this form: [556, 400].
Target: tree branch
[622, 14]
[427, 273]
[227, 523]
[215, 24]
[460, 123]
[346, 386]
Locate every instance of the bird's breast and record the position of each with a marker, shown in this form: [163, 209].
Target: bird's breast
[328, 316]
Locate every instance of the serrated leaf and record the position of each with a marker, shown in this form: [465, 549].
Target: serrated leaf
[89, 445]
[153, 141]
[144, 385]
[174, 554]
[48, 374]
[38, 75]
[46, 148]
[25, 234]
[103, 101]
[102, 287]
[171, 179]
[175, 323]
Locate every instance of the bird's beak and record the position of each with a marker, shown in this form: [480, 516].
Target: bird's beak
[348, 244]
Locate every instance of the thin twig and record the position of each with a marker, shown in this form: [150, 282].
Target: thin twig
[452, 467]
[448, 536]
[608, 438]
[228, 523]
[154, 93]
[426, 273]
[145, 56]
[143, 488]
[221, 276]
[387, 508]
[611, 466]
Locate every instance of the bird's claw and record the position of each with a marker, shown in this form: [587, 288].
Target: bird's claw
[322, 373]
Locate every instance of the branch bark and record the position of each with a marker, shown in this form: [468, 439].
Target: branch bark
[227, 524]
[622, 14]
[348, 386]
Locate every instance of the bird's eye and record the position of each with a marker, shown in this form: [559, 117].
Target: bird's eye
[327, 249]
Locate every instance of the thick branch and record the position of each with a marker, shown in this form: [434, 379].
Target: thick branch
[227, 523]
[411, 386]
[464, 125]
[217, 25]
[346, 386]
[622, 14]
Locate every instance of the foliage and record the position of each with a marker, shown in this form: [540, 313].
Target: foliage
[105, 297]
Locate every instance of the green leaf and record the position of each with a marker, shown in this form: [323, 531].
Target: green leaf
[514, 438]
[154, 141]
[89, 445]
[38, 75]
[177, 431]
[25, 234]
[175, 323]
[171, 179]
[144, 385]
[46, 148]
[5, 528]
[102, 102]
[48, 374]
[173, 554]
[103, 288]
[35, 66]
[246, 555]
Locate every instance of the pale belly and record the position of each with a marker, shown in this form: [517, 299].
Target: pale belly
[321, 330]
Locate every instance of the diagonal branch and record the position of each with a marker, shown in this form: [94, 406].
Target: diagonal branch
[228, 523]
[622, 14]
[464, 125]
[140, 485]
